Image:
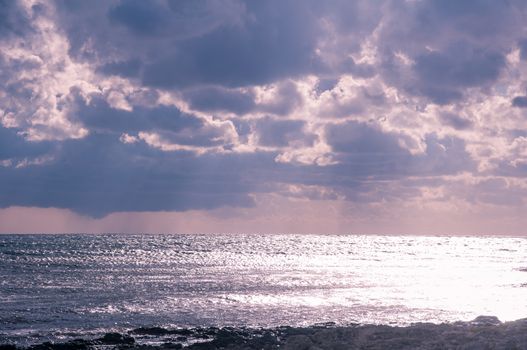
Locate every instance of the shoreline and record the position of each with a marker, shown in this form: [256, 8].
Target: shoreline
[168, 234]
[484, 332]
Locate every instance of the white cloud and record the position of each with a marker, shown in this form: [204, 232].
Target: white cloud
[125, 138]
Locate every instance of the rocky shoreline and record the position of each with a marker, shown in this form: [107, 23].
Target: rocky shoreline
[485, 332]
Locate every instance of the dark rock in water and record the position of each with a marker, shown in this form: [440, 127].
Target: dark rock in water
[227, 337]
[224, 338]
[7, 347]
[44, 346]
[116, 338]
[184, 332]
[484, 332]
[77, 344]
[202, 346]
[159, 331]
[298, 342]
[486, 321]
[267, 340]
[150, 331]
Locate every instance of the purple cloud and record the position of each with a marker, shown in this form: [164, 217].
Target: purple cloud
[133, 106]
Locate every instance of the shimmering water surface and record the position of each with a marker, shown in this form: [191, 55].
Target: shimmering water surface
[54, 286]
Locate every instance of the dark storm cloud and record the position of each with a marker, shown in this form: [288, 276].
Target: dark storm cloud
[141, 17]
[12, 19]
[460, 67]
[326, 84]
[364, 150]
[281, 133]
[170, 124]
[287, 98]
[482, 22]
[219, 99]
[359, 138]
[442, 76]
[443, 156]
[453, 45]
[232, 43]
[214, 55]
[520, 101]
[117, 31]
[214, 99]
[242, 43]
[127, 69]
[99, 175]
[278, 40]
[13, 146]
[98, 115]
[455, 121]
[522, 44]
[483, 18]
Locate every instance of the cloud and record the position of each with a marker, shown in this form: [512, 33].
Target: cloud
[139, 17]
[217, 42]
[361, 139]
[127, 69]
[453, 47]
[456, 121]
[519, 101]
[133, 106]
[99, 175]
[441, 76]
[283, 133]
[214, 99]
[369, 160]
[276, 41]
[99, 115]
[12, 145]
[13, 20]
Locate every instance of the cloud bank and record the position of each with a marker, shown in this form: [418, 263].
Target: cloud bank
[366, 111]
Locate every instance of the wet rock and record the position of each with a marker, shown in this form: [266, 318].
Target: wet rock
[202, 346]
[133, 347]
[159, 331]
[183, 331]
[212, 331]
[485, 332]
[149, 331]
[44, 346]
[485, 321]
[116, 339]
[298, 342]
[77, 344]
[226, 337]
[267, 340]
[7, 347]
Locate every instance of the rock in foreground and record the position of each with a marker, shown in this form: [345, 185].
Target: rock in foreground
[485, 332]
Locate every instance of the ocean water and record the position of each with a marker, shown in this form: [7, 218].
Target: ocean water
[62, 286]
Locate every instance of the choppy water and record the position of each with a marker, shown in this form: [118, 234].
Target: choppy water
[54, 286]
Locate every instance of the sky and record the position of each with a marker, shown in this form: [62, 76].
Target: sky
[276, 116]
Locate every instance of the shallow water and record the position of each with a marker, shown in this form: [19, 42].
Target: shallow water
[61, 286]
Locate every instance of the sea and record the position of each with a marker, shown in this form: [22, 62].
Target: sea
[57, 287]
